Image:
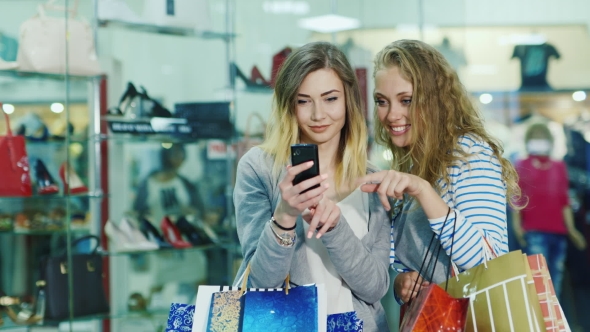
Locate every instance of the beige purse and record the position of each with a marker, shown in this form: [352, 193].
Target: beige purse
[42, 43]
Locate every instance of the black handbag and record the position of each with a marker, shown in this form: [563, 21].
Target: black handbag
[89, 297]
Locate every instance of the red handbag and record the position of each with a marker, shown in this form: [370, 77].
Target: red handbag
[14, 164]
[433, 309]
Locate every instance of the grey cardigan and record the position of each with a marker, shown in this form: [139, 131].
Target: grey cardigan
[362, 263]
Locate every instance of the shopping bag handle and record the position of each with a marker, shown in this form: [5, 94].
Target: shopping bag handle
[244, 281]
[8, 129]
[13, 161]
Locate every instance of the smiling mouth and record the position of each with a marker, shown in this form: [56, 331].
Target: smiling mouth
[319, 128]
[399, 130]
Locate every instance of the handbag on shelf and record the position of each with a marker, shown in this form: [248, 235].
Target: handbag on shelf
[88, 293]
[14, 164]
[433, 309]
[42, 43]
[247, 141]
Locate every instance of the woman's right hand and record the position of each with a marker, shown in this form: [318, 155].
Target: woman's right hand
[293, 202]
[404, 284]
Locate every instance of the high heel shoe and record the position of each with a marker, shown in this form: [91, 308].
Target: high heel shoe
[172, 234]
[71, 180]
[124, 237]
[125, 101]
[46, 184]
[19, 313]
[257, 78]
[191, 232]
[152, 234]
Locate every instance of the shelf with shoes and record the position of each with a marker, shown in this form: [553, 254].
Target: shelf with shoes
[166, 30]
[15, 73]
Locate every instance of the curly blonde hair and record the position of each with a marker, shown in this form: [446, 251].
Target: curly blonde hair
[440, 113]
[283, 130]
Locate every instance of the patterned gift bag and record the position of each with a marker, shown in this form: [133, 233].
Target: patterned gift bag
[345, 322]
[180, 317]
[552, 312]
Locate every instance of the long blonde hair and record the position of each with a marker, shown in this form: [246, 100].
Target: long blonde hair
[283, 130]
[440, 113]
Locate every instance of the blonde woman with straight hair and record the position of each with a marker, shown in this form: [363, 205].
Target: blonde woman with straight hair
[335, 234]
[448, 174]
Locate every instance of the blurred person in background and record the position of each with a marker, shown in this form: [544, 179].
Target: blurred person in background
[544, 225]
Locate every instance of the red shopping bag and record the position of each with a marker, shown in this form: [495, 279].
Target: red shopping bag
[14, 164]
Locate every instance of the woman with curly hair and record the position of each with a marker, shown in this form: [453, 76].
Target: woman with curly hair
[447, 176]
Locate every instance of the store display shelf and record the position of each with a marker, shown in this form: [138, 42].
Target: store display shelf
[77, 231]
[34, 75]
[52, 325]
[166, 30]
[56, 142]
[224, 245]
[36, 198]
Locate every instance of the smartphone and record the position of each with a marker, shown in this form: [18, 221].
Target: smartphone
[301, 153]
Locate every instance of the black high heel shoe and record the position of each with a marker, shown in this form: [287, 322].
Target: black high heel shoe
[152, 107]
[195, 235]
[45, 183]
[152, 234]
[125, 101]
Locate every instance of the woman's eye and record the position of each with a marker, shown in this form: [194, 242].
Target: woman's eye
[301, 101]
[407, 101]
[380, 102]
[330, 99]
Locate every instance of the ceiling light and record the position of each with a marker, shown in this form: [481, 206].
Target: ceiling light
[329, 23]
[523, 39]
[8, 108]
[486, 98]
[579, 96]
[166, 145]
[57, 107]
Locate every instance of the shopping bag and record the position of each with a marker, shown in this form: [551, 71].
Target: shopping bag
[15, 179]
[502, 295]
[42, 44]
[345, 322]
[281, 312]
[180, 317]
[552, 312]
[223, 308]
[435, 310]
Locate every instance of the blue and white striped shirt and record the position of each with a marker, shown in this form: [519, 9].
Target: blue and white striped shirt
[477, 194]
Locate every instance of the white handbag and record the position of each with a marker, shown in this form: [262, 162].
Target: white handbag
[192, 14]
[42, 44]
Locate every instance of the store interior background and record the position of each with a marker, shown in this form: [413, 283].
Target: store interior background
[177, 69]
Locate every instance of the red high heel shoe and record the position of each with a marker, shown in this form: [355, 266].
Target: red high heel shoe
[172, 234]
[72, 181]
[256, 77]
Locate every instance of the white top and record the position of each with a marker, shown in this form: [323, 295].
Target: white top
[356, 209]
[166, 198]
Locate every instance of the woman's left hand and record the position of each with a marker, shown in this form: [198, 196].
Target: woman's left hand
[322, 217]
[392, 184]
